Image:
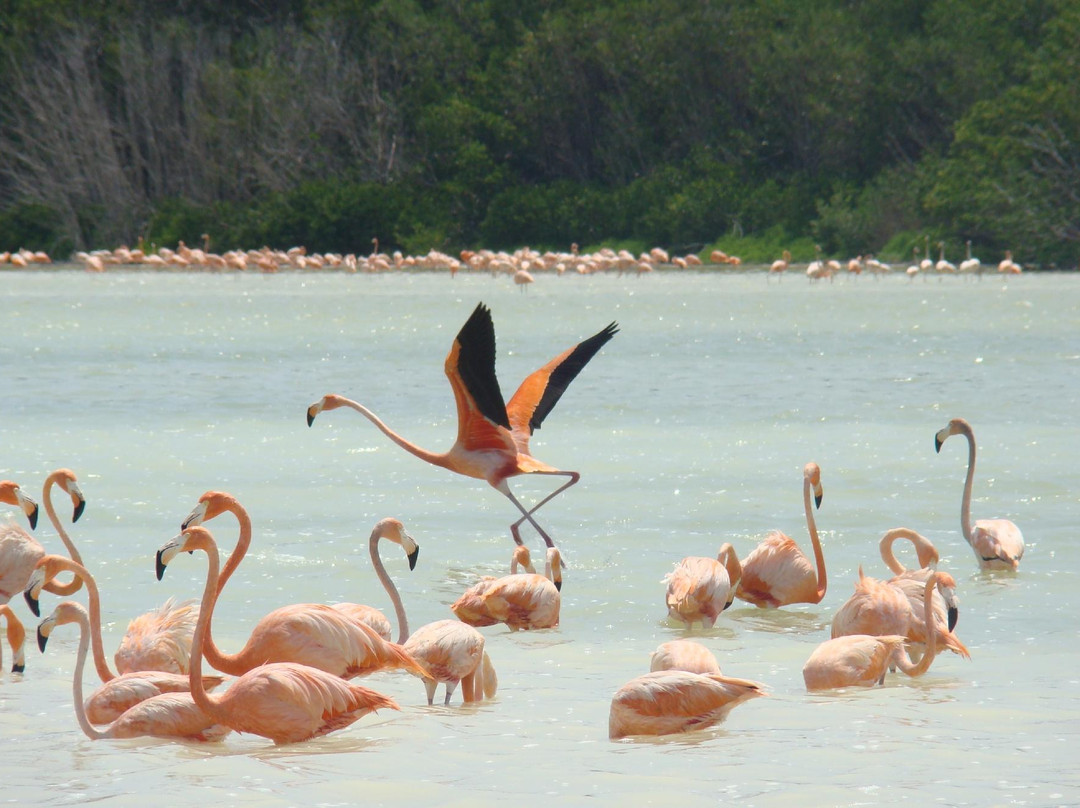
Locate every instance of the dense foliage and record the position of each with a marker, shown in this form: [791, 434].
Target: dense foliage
[865, 127]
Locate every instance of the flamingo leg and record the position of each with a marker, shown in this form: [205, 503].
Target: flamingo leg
[527, 513]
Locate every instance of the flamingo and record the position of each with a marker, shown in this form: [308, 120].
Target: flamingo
[469, 607]
[162, 638]
[880, 609]
[700, 588]
[493, 438]
[665, 702]
[16, 637]
[862, 659]
[1008, 265]
[910, 581]
[19, 551]
[998, 543]
[311, 634]
[163, 715]
[926, 264]
[777, 572]
[943, 266]
[970, 264]
[684, 655]
[780, 265]
[521, 601]
[286, 702]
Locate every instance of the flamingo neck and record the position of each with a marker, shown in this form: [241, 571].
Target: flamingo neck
[819, 556]
[965, 502]
[435, 458]
[388, 585]
[229, 663]
[77, 683]
[903, 661]
[74, 585]
[202, 628]
[93, 600]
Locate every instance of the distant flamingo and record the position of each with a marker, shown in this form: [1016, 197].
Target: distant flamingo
[665, 702]
[1008, 265]
[777, 572]
[910, 581]
[880, 609]
[19, 551]
[779, 265]
[161, 715]
[16, 637]
[684, 655]
[284, 701]
[520, 601]
[306, 633]
[862, 659]
[699, 588]
[156, 654]
[998, 543]
[523, 278]
[970, 264]
[493, 438]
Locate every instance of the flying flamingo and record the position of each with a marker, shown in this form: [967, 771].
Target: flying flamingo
[283, 701]
[910, 581]
[665, 702]
[163, 715]
[162, 639]
[521, 601]
[19, 551]
[777, 572]
[863, 659]
[881, 609]
[684, 655]
[998, 543]
[700, 588]
[310, 634]
[493, 437]
[16, 637]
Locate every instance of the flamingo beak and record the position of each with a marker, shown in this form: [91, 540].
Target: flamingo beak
[32, 602]
[33, 591]
[43, 632]
[196, 517]
[558, 585]
[954, 615]
[29, 507]
[939, 438]
[80, 506]
[312, 411]
[412, 558]
[818, 496]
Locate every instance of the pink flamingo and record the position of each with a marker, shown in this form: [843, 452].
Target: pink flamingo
[493, 437]
[699, 588]
[777, 572]
[311, 634]
[469, 608]
[524, 601]
[910, 581]
[684, 655]
[163, 715]
[286, 702]
[16, 637]
[862, 659]
[665, 702]
[156, 658]
[998, 543]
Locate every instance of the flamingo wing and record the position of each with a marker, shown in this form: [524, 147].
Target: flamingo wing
[470, 367]
[542, 389]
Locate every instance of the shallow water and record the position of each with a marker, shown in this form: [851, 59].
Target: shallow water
[690, 428]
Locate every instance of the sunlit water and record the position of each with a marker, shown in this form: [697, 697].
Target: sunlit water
[690, 428]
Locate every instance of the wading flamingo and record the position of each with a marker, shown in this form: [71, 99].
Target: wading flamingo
[165, 715]
[19, 551]
[311, 634]
[684, 655]
[16, 637]
[520, 601]
[700, 588]
[159, 651]
[493, 437]
[863, 659]
[911, 581]
[880, 609]
[998, 543]
[779, 266]
[283, 701]
[469, 607]
[777, 572]
[665, 702]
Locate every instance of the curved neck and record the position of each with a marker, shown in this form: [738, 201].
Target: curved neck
[903, 660]
[965, 502]
[819, 556]
[435, 458]
[388, 585]
[93, 599]
[886, 547]
[77, 683]
[202, 628]
[74, 585]
[229, 663]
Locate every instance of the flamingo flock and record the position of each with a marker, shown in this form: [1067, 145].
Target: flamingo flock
[292, 679]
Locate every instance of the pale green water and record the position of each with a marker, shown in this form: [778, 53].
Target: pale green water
[690, 428]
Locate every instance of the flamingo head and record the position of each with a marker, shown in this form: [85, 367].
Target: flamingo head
[522, 558]
[66, 612]
[956, 426]
[393, 530]
[812, 473]
[330, 401]
[67, 481]
[211, 504]
[553, 564]
[194, 537]
[13, 495]
[946, 587]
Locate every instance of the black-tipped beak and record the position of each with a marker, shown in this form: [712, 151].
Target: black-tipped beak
[558, 587]
[32, 516]
[310, 417]
[937, 444]
[160, 566]
[78, 510]
[42, 640]
[17, 668]
[817, 500]
[32, 602]
[954, 615]
[412, 558]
